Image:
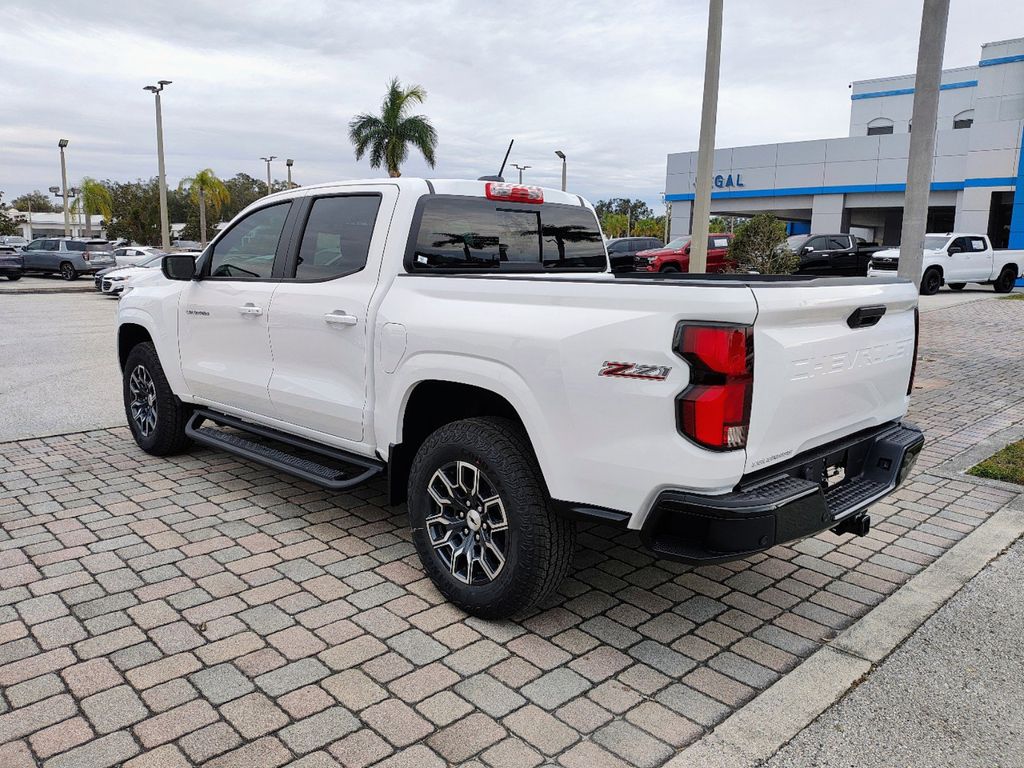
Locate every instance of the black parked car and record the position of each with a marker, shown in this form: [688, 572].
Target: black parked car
[837, 255]
[621, 250]
[11, 262]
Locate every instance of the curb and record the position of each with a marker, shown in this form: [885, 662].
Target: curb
[758, 730]
[46, 289]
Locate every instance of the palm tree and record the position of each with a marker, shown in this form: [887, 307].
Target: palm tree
[388, 136]
[202, 188]
[94, 198]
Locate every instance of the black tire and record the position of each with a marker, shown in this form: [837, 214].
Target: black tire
[956, 286]
[931, 282]
[164, 434]
[12, 278]
[68, 271]
[1006, 280]
[670, 268]
[537, 545]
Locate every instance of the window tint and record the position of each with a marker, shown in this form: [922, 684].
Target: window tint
[977, 244]
[840, 242]
[74, 246]
[617, 247]
[51, 245]
[817, 243]
[718, 242]
[249, 247]
[336, 240]
[474, 233]
[879, 130]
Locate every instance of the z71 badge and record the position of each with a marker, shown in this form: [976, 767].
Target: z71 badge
[635, 371]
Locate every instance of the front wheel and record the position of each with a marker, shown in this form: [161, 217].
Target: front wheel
[931, 282]
[1006, 280]
[670, 268]
[68, 271]
[956, 286]
[14, 277]
[156, 416]
[481, 520]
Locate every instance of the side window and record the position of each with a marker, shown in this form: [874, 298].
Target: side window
[51, 245]
[35, 245]
[962, 243]
[816, 244]
[618, 247]
[719, 242]
[839, 242]
[336, 240]
[977, 244]
[248, 249]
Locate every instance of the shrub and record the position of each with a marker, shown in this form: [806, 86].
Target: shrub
[760, 246]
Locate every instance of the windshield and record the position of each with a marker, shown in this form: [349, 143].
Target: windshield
[152, 261]
[935, 242]
[679, 242]
[795, 241]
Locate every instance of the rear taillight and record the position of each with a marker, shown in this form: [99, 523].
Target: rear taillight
[514, 193]
[913, 362]
[714, 410]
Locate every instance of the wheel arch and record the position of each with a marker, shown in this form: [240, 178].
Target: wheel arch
[130, 335]
[430, 404]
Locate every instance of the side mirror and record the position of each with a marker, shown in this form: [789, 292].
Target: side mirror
[954, 249]
[178, 266]
[808, 248]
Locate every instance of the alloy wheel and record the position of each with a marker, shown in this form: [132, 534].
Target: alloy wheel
[467, 527]
[67, 271]
[143, 400]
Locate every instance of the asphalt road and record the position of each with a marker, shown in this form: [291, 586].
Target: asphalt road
[952, 695]
[58, 366]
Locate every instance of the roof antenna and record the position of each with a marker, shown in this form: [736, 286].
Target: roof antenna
[501, 170]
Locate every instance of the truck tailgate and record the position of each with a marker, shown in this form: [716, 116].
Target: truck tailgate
[821, 370]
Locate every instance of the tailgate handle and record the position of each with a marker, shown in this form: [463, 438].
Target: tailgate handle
[865, 317]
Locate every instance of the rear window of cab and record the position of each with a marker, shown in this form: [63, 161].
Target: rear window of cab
[474, 234]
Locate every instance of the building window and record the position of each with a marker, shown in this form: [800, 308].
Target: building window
[879, 126]
[964, 120]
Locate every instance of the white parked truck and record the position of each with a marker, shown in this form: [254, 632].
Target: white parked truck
[467, 341]
[956, 258]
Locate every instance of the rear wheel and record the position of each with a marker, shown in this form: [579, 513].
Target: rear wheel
[481, 521]
[68, 271]
[155, 414]
[1006, 280]
[956, 286]
[14, 277]
[931, 282]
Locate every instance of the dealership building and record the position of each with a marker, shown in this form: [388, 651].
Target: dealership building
[856, 184]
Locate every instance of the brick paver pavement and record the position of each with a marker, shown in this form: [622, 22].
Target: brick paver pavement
[203, 610]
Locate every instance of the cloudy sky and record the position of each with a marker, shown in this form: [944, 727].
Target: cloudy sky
[616, 85]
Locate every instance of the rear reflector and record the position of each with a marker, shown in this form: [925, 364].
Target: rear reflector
[514, 193]
[913, 363]
[714, 410]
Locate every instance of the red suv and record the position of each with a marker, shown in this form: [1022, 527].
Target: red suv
[675, 257]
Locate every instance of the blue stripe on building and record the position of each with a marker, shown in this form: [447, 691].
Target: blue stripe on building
[937, 186]
[1000, 60]
[905, 91]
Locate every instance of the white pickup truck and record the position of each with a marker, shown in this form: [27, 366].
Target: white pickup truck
[956, 258]
[467, 341]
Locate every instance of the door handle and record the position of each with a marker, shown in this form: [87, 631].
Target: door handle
[339, 317]
[250, 309]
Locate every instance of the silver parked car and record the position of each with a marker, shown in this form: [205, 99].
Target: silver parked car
[130, 255]
[68, 257]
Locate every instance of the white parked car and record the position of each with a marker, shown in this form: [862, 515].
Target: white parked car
[114, 281]
[956, 258]
[129, 256]
[467, 341]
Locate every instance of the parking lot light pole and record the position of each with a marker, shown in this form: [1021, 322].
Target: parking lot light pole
[64, 187]
[922, 141]
[165, 227]
[521, 169]
[289, 162]
[706, 147]
[561, 154]
[267, 161]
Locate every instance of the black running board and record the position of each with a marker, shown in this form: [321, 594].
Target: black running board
[357, 469]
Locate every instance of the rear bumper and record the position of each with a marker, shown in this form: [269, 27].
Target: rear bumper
[785, 504]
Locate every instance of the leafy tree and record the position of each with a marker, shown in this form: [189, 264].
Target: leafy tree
[717, 224]
[135, 211]
[245, 190]
[654, 227]
[633, 210]
[760, 246]
[7, 223]
[388, 136]
[94, 198]
[614, 224]
[206, 189]
[36, 201]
